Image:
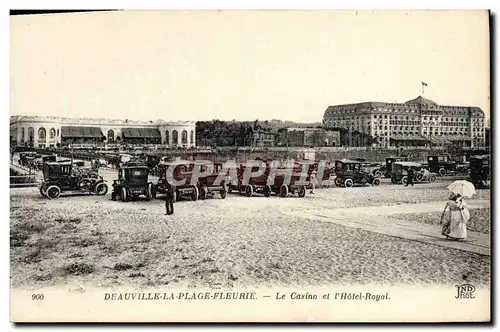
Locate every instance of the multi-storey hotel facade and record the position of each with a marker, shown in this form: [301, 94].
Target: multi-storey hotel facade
[417, 122]
[46, 131]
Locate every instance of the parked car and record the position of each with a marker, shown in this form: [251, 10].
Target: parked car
[256, 184]
[400, 172]
[178, 172]
[60, 176]
[351, 172]
[207, 185]
[387, 170]
[132, 182]
[442, 165]
[480, 171]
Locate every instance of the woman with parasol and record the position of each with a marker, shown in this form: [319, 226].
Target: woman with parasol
[456, 215]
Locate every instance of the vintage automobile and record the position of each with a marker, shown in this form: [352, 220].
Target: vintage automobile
[388, 164]
[178, 172]
[256, 184]
[400, 173]
[60, 176]
[290, 181]
[442, 165]
[480, 171]
[351, 172]
[132, 182]
[207, 185]
[374, 168]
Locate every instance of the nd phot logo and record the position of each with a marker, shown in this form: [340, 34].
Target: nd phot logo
[465, 291]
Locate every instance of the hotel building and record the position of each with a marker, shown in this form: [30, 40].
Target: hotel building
[417, 122]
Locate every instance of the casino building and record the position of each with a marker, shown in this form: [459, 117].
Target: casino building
[46, 131]
[417, 122]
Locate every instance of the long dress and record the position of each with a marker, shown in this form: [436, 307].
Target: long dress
[457, 217]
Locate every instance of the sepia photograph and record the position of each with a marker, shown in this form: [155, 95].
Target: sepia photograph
[250, 166]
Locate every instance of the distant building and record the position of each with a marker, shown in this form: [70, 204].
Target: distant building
[46, 131]
[262, 138]
[307, 137]
[417, 122]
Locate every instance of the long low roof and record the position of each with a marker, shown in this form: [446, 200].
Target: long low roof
[141, 133]
[85, 132]
[408, 137]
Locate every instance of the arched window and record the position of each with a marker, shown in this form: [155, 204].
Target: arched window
[52, 133]
[167, 137]
[184, 137]
[22, 134]
[31, 134]
[191, 137]
[42, 134]
[175, 137]
[111, 135]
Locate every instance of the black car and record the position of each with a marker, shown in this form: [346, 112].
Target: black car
[350, 172]
[61, 176]
[480, 171]
[132, 182]
[442, 165]
[387, 170]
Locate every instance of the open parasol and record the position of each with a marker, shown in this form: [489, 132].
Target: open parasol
[462, 187]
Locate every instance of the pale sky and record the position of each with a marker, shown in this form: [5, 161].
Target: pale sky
[288, 65]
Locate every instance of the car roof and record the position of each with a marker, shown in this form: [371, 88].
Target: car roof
[482, 156]
[408, 163]
[135, 167]
[349, 161]
[54, 163]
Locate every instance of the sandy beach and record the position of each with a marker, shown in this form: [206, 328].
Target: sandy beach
[236, 242]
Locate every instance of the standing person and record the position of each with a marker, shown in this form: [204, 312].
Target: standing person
[454, 218]
[169, 201]
[410, 176]
[312, 179]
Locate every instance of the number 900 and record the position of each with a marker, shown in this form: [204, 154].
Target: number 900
[37, 297]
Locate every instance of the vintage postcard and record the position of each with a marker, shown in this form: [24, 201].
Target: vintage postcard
[250, 166]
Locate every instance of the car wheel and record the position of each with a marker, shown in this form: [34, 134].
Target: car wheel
[203, 192]
[195, 195]
[85, 184]
[302, 191]
[404, 180]
[432, 178]
[377, 174]
[53, 192]
[393, 180]
[419, 177]
[283, 191]
[249, 191]
[376, 182]
[348, 183]
[101, 189]
[338, 182]
[223, 192]
[267, 191]
[124, 194]
[442, 172]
